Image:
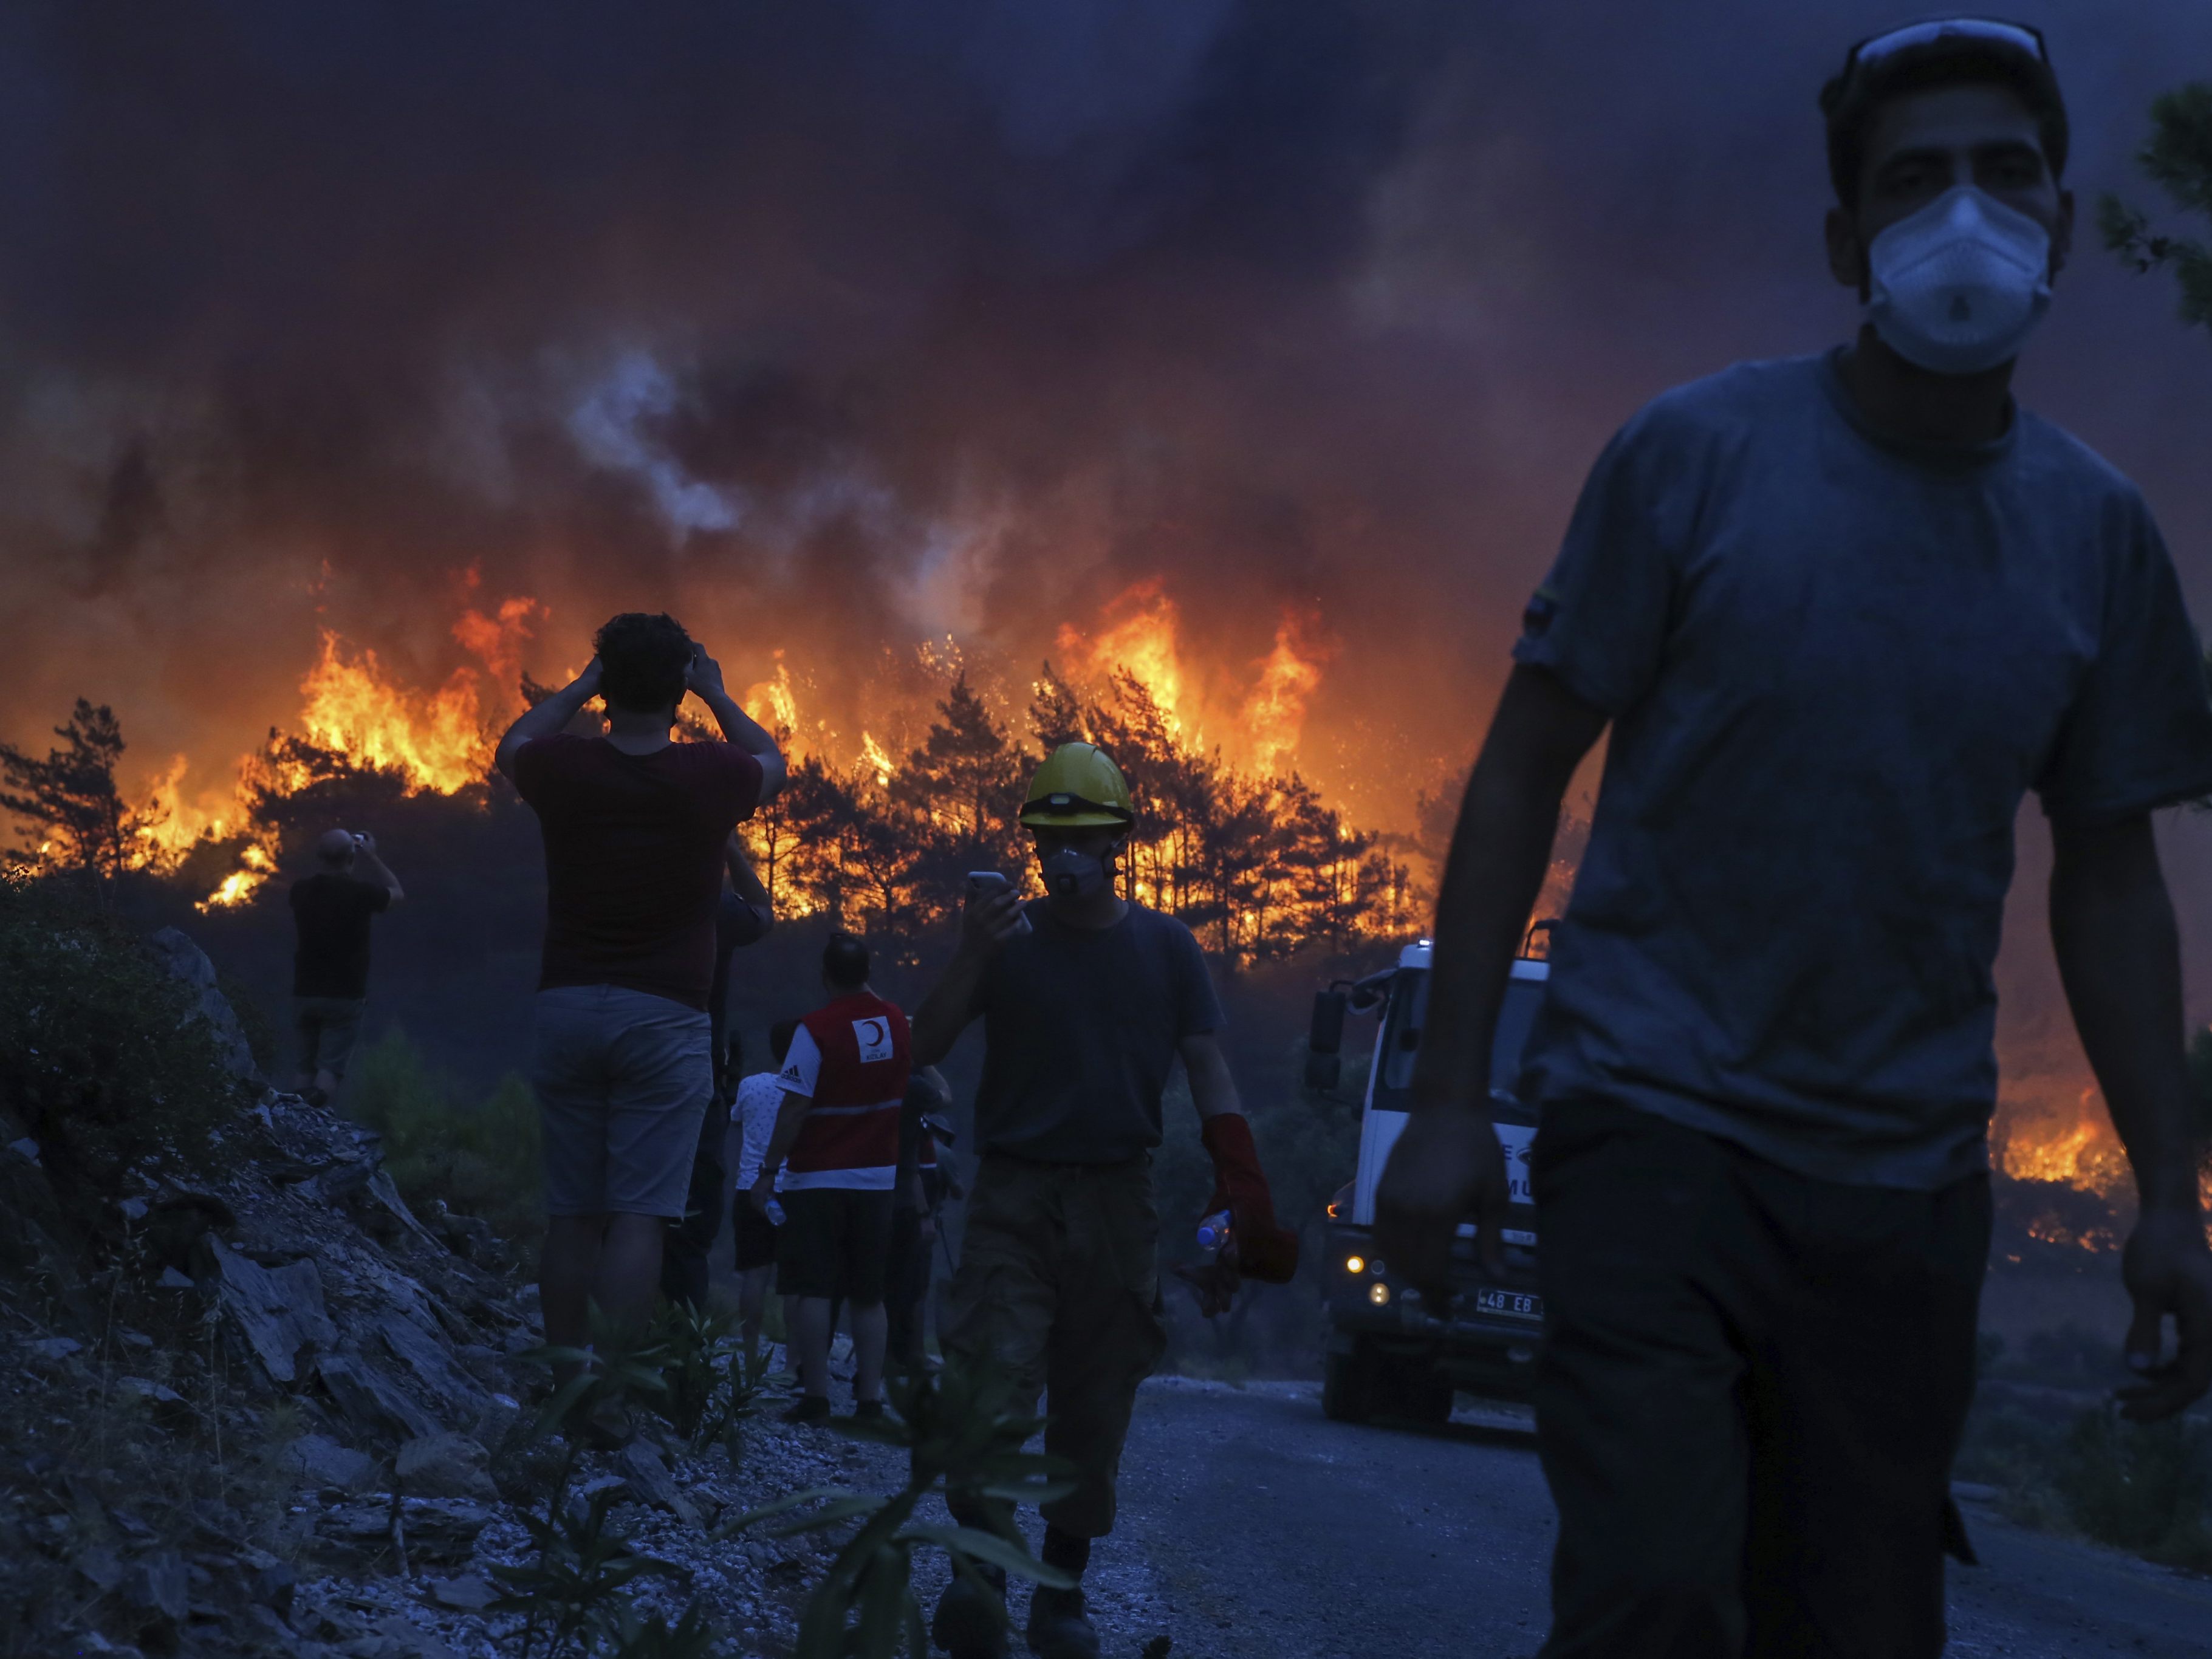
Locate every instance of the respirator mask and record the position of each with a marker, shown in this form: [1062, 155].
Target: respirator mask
[1957, 286]
[1069, 874]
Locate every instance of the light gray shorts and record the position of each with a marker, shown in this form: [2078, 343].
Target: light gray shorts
[623, 1079]
[328, 1027]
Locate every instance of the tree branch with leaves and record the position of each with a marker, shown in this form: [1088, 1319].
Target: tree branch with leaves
[2177, 156]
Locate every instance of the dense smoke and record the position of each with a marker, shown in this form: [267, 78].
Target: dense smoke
[842, 328]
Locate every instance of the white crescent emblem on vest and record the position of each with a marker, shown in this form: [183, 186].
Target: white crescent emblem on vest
[874, 1038]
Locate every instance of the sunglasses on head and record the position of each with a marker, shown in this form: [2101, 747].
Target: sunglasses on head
[2020, 37]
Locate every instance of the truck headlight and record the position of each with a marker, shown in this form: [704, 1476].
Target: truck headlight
[1379, 1295]
[1355, 1264]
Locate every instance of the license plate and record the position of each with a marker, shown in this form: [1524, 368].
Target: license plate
[1514, 1305]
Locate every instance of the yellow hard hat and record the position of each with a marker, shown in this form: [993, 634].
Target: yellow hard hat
[1078, 788]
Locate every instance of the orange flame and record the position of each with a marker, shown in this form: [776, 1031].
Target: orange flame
[437, 740]
[1141, 643]
[774, 705]
[1275, 713]
[2083, 1153]
[873, 757]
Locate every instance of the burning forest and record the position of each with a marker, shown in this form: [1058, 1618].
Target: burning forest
[1213, 381]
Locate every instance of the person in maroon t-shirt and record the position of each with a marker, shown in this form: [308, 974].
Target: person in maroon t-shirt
[633, 827]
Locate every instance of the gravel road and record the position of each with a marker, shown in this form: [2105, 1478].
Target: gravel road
[1253, 1526]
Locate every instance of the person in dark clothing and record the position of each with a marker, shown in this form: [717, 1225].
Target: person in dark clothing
[1840, 613]
[636, 829]
[913, 1218]
[330, 969]
[1088, 1001]
[744, 918]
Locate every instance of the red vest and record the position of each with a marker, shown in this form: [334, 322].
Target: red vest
[850, 1060]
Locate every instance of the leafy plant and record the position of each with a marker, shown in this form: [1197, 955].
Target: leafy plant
[480, 1158]
[101, 1060]
[583, 1565]
[958, 1428]
[714, 1382]
[2178, 157]
[691, 1637]
[2145, 1488]
[582, 1568]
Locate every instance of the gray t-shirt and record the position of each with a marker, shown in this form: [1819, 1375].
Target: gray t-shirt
[1834, 663]
[1080, 1028]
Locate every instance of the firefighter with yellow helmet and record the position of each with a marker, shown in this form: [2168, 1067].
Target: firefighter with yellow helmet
[1087, 1000]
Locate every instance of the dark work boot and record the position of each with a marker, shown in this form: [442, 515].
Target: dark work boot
[971, 1620]
[1059, 1627]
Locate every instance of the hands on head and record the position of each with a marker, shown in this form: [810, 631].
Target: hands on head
[704, 674]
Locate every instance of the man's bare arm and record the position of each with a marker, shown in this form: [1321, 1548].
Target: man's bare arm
[704, 680]
[2119, 955]
[987, 924]
[548, 717]
[1446, 1165]
[377, 869]
[790, 1117]
[744, 882]
[1212, 1089]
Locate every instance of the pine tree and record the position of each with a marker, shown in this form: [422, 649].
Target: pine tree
[1055, 712]
[2177, 157]
[69, 798]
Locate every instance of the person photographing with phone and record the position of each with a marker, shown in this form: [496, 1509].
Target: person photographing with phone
[331, 911]
[1087, 1000]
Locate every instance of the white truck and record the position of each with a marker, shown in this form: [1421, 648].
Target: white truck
[1390, 1352]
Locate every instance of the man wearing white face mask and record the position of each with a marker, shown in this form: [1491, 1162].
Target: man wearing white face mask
[1841, 614]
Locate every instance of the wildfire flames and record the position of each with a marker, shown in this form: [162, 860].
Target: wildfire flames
[1143, 638]
[441, 740]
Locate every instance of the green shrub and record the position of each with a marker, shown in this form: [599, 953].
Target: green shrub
[2146, 1488]
[481, 1159]
[102, 1058]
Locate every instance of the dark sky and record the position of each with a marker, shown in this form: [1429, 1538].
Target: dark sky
[835, 326]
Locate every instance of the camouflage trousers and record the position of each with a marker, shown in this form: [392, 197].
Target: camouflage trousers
[1059, 1282]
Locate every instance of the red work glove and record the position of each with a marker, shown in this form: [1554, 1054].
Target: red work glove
[1264, 1251]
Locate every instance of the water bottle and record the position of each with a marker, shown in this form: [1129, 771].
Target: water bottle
[774, 1214]
[1213, 1231]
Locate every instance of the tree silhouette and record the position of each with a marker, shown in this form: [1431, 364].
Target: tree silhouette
[69, 801]
[2177, 156]
[966, 782]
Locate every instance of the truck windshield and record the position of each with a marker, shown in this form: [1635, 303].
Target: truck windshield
[1409, 1016]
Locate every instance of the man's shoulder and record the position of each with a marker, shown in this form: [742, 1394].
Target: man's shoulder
[1741, 395]
[709, 757]
[560, 752]
[1160, 925]
[858, 1003]
[560, 745]
[2049, 453]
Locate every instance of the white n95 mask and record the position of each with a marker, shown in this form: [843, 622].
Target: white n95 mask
[1959, 286]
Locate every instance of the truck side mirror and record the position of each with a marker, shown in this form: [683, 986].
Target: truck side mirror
[1325, 1040]
[1325, 1036]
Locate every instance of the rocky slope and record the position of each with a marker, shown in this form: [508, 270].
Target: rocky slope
[255, 1404]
